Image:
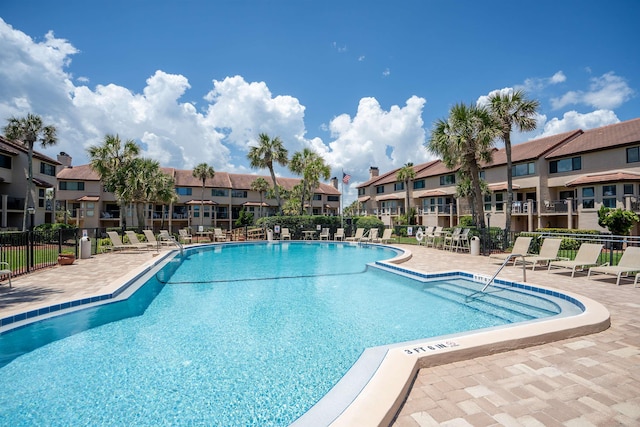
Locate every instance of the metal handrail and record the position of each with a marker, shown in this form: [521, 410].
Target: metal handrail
[524, 270]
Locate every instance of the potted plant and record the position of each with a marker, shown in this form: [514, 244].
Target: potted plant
[66, 257]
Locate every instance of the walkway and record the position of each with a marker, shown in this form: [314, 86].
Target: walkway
[586, 381]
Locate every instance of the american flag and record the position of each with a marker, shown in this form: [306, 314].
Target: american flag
[345, 177]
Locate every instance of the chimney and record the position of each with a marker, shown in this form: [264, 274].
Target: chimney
[373, 172]
[334, 182]
[65, 159]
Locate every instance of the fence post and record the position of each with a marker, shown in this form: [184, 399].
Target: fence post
[30, 243]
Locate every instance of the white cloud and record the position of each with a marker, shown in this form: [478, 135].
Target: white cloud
[573, 120]
[605, 92]
[537, 84]
[386, 72]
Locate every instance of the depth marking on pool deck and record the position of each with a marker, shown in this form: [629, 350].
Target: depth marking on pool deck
[430, 347]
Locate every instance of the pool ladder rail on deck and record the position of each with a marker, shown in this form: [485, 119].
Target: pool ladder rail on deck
[506, 261]
[177, 243]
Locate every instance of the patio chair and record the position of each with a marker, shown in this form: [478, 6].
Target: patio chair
[587, 256]
[339, 234]
[450, 238]
[426, 235]
[151, 238]
[356, 237]
[133, 240]
[461, 241]
[5, 270]
[435, 236]
[285, 235]
[548, 252]
[629, 263]
[520, 247]
[184, 235]
[386, 236]
[369, 235]
[324, 234]
[166, 238]
[116, 243]
[219, 235]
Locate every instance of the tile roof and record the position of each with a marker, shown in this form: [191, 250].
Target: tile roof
[531, 150]
[78, 173]
[601, 138]
[603, 177]
[14, 147]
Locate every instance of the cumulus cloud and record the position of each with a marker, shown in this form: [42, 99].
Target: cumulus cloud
[605, 92]
[537, 84]
[573, 120]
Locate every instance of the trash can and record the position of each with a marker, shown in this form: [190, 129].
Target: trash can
[85, 248]
[475, 245]
[269, 234]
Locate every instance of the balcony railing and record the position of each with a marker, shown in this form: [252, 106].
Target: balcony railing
[558, 206]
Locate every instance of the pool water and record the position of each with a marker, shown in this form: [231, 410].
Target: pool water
[250, 335]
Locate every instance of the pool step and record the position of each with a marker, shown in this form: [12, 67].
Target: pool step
[496, 305]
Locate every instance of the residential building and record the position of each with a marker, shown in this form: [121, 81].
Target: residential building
[14, 160]
[558, 181]
[81, 193]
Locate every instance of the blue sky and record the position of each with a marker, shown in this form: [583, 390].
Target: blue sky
[359, 82]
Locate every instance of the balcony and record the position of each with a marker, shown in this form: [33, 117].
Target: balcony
[558, 206]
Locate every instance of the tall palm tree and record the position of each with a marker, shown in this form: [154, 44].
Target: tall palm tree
[203, 172]
[29, 130]
[264, 155]
[143, 178]
[261, 186]
[406, 174]
[510, 110]
[465, 139]
[111, 161]
[311, 166]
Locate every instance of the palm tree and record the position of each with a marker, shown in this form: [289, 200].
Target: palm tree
[143, 178]
[28, 130]
[261, 186]
[111, 161]
[264, 155]
[311, 166]
[463, 140]
[406, 174]
[203, 172]
[512, 109]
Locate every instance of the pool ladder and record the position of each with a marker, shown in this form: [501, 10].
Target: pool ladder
[506, 261]
[178, 244]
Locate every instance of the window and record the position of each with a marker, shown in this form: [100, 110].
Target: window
[633, 154]
[398, 186]
[47, 169]
[628, 189]
[609, 196]
[588, 201]
[71, 185]
[41, 197]
[380, 189]
[524, 169]
[333, 198]
[183, 191]
[487, 202]
[361, 191]
[317, 197]
[499, 201]
[90, 209]
[239, 193]
[417, 185]
[448, 179]
[220, 192]
[5, 161]
[565, 165]
[196, 211]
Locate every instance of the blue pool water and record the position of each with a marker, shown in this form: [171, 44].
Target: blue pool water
[250, 335]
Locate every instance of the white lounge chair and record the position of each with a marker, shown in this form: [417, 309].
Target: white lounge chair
[386, 236]
[548, 252]
[370, 235]
[356, 237]
[133, 240]
[116, 243]
[5, 270]
[433, 238]
[324, 234]
[587, 256]
[285, 235]
[184, 235]
[450, 238]
[520, 247]
[339, 234]
[629, 263]
[461, 241]
[218, 235]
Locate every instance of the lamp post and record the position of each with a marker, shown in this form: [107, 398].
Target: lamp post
[32, 212]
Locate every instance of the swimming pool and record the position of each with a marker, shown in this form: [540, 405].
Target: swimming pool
[189, 366]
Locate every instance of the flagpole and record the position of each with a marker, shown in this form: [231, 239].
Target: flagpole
[342, 201]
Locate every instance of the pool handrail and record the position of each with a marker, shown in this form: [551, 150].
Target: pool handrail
[507, 259]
